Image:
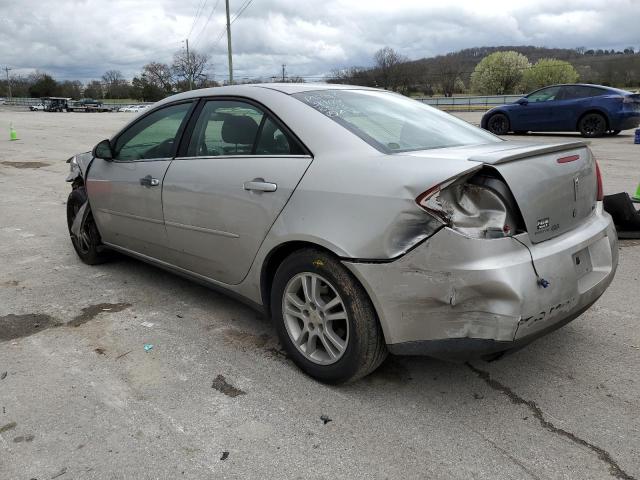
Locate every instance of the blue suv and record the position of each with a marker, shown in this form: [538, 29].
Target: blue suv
[592, 110]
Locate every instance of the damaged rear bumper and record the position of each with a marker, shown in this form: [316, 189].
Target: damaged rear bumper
[456, 297]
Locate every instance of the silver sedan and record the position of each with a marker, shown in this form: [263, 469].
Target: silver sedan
[362, 222]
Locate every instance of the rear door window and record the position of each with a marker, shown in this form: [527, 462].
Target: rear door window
[233, 127]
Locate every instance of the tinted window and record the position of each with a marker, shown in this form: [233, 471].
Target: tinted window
[273, 141]
[393, 123]
[231, 127]
[153, 136]
[573, 92]
[544, 95]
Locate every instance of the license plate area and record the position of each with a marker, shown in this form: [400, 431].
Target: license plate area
[582, 262]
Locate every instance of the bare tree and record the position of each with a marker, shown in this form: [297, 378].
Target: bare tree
[448, 69]
[115, 85]
[191, 68]
[388, 65]
[158, 75]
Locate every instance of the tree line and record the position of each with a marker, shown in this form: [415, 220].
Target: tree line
[505, 70]
[479, 70]
[156, 81]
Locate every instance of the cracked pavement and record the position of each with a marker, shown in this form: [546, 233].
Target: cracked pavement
[214, 397]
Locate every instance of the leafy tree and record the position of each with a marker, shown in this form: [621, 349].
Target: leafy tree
[548, 71]
[499, 73]
[42, 85]
[70, 89]
[94, 90]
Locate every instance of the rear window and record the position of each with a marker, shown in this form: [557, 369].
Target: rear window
[393, 123]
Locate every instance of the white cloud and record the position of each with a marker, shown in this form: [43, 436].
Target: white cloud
[84, 38]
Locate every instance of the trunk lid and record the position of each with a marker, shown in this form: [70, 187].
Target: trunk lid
[555, 186]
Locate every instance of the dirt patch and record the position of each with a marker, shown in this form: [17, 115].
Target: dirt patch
[17, 326]
[24, 438]
[11, 283]
[220, 383]
[8, 426]
[90, 312]
[26, 164]
[629, 243]
[245, 340]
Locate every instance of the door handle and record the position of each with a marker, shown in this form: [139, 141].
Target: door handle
[149, 181]
[259, 185]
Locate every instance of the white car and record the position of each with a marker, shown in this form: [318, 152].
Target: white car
[38, 107]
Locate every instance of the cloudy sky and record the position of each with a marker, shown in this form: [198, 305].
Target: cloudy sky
[80, 39]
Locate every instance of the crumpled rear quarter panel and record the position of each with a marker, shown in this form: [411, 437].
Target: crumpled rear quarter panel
[452, 286]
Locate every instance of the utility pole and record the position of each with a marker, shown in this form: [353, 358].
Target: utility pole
[229, 45]
[283, 65]
[189, 66]
[7, 70]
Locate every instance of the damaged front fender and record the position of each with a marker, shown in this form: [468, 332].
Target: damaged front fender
[79, 166]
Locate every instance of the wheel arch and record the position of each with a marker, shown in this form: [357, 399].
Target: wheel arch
[273, 260]
[279, 253]
[484, 122]
[593, 110]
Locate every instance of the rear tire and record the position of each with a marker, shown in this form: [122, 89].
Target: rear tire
[592, 125]
[88, 245]
[309, 287]
[498, 124]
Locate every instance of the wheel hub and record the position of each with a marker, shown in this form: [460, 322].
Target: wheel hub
[315, 318]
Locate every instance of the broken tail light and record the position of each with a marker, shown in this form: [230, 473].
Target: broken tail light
[600, 194]
[480, 206]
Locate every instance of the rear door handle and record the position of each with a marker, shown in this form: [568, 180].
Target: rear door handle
[149, 181]
[259, 185]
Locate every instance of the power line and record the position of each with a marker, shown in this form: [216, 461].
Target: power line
[199, 10]
[197, 38]
[241, 10]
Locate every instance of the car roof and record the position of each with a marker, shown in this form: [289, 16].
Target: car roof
[603, 87]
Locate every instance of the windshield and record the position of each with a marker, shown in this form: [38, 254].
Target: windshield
[394, 123]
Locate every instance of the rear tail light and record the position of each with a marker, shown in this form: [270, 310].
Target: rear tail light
[600, 194]
[472, 209]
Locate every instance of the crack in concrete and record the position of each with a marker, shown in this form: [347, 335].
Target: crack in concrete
[614, 469]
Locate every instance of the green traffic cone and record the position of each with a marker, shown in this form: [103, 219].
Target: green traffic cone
[636, 197]
[13, 135]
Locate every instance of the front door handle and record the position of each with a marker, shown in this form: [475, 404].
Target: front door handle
[149, 181]
[259, 185]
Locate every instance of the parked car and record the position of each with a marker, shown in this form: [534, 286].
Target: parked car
[39, 107]
[359, 220]
[592, 110]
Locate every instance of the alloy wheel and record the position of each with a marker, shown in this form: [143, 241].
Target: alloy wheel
[315, 318]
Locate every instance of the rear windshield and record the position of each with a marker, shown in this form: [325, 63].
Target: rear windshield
[393, 123]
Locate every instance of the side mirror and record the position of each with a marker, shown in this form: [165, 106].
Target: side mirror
[103, 150]
[523, 101]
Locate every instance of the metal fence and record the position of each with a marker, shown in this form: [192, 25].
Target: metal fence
[27, 102]
[468, 103]
[460, 103]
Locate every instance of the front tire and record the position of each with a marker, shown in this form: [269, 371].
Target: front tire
[498, 124]
[592, 125]
[325, 319]
[88, 244]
